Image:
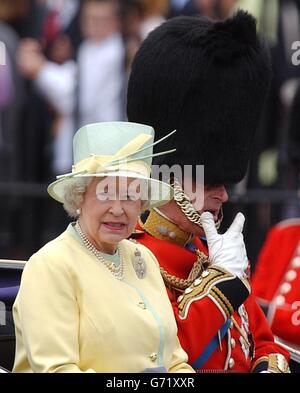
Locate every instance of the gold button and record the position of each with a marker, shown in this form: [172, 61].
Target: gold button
[231, 363]
[290, 275]
[163, 230]
[179, 298]
[142, 305]
[197, 281]
[285, 287]
[153, 357]
[232, 342]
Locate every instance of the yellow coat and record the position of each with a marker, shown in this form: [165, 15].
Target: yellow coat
[73, 315]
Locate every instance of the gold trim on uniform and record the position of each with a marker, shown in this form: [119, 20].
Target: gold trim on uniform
[215, 276]
[162, 228]
[222, 300]
[181, 284]
[277, 363]
[154, 225]
[263, 359]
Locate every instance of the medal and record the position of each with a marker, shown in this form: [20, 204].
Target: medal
[139, 264]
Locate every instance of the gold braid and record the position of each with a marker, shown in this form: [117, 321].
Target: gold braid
[180, 284]
[186, 206]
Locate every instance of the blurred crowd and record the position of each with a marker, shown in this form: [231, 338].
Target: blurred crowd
[67, 64]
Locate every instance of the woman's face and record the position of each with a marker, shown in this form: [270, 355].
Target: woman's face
[109, 211]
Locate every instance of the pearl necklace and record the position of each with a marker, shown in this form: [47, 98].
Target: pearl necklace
[116, 270]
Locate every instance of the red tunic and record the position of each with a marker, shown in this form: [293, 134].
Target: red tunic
[205, 318]
[276, 281]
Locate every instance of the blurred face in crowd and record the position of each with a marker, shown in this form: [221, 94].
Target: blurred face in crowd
[215, 8]
[60, 49]
[109, 211]
[99, 19]
[13, 10]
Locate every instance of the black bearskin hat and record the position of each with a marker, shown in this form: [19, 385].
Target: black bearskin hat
[208, 80]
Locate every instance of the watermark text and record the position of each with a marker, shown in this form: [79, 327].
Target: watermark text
[2, 53]
[296, 55]
[296, 314]
[2, 314]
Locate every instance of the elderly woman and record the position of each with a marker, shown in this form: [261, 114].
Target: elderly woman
[91, 300]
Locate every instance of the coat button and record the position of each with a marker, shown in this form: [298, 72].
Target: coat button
[179, 298]
[161, 229]
[172, 235]
[197, 281]
[188, 290]
[296, 262]
[285, 287]
[290, 275]
[232, 342]
[153, 357]
[231, 362]
[280, 300]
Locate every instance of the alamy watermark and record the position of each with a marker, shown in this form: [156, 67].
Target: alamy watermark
[2, 314]
[296, 314]
[296, 55]
[190, 178]
[2, 53]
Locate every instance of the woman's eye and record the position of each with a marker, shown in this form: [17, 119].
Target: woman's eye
[129, 197]
[103, 196]
[132, 197]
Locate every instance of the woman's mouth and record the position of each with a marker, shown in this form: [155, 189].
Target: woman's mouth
[114, 226]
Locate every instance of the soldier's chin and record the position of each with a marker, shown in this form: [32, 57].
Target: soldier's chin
[219, 218]
[216, 215]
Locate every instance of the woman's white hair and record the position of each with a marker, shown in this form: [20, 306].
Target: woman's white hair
[74, 195]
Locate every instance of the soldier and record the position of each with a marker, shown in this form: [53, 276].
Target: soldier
[208, 80]
[276, 281]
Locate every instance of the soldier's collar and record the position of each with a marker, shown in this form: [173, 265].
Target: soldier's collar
[161, 227]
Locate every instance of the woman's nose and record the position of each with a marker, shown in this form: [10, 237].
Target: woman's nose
[116, 207]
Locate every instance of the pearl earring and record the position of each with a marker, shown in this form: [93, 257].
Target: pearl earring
[78, 211]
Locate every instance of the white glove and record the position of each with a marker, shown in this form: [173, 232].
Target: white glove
[228, 250]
